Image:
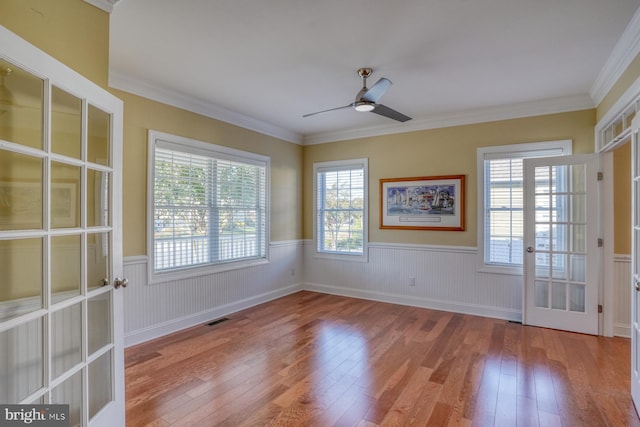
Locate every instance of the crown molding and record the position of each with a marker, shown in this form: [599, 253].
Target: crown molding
[481, 115]
[156, 93]
[106, 5]
[625, 51]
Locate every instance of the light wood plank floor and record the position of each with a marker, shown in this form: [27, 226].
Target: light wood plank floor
[312, 359]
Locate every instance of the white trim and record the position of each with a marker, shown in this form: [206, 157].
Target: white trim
[624, 52]
[424, 248]
[544, 148]
[481, 115]
[413, 301]
[148, 90]
[622, 104]
[336, 166]
[135, 260]
[106, 5]
[184, 322]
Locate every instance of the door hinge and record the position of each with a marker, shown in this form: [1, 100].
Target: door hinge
[600, 176]
[599, 308]
[600, 242]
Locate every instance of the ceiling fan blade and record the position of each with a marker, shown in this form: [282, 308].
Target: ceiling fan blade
[330, 109]
[383, 110]
[376, 91]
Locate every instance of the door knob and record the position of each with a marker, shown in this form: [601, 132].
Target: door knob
[120, 282]
[530, 249]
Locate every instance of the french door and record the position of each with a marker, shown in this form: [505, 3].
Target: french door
[562, 259]
[635, 263]
[61, 329]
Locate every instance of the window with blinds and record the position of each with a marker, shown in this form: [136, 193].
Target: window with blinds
[501, 178]
[209, 205]
[341, 207]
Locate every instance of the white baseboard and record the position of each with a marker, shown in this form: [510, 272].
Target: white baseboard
[175, 325]
[623, 331]
[471, 309]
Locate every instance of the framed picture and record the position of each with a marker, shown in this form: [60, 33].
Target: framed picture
[423, 203]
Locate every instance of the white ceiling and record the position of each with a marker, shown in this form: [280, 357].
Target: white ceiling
[263, 64]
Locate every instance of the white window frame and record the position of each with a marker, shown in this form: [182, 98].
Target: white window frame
[343, 165]
[193, 146]
[526, 150]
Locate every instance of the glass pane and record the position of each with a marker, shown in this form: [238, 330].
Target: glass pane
[578, 268]
[21, 361]
[577, 298]
[578, 178]
[20, 191]
[99, 129]
[542, 180]
[66, 344]
[542, 265]
[99, 322]
[21, 100]
[66, 123]
[559, 267]
[97, 259]
[70, 393]
[99, 383]
[542, 294]
[560, 237]
[65, 195]
[66, 274]
[578, 238]
[560, 208]
[21, 284]
[559, 296]
[543, 237]
[97, 198]
[579, 208]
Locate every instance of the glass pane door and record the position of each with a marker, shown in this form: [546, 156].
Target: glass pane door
[561, 222]
[58, 340]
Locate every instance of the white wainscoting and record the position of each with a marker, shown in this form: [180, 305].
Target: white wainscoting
[152, 311]
[622, 298]
[446, 278]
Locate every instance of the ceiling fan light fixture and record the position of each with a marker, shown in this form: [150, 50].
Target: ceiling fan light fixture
[364, 106]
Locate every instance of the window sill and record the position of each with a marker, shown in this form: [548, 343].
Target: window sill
[342, 256]
[187, 273]
[492, 269]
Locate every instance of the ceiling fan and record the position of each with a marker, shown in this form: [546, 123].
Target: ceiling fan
[367, 99]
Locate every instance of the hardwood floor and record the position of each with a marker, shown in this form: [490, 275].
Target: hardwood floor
[312, 359]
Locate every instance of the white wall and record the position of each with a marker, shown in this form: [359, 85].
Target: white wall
[445, 279]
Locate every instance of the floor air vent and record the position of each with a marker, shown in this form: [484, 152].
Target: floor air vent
[215, 322]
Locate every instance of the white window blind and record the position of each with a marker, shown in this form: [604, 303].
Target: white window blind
[207, 209]
[501, 183]
[341, 207]
[504, 213]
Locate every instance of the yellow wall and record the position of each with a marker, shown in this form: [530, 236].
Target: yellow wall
[72, 31]
[622, 197]
[142, 114]
[446, 151]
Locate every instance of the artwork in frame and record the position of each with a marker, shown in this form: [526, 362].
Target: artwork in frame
[423, 203]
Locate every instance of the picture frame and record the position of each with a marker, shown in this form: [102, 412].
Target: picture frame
[423, 203]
